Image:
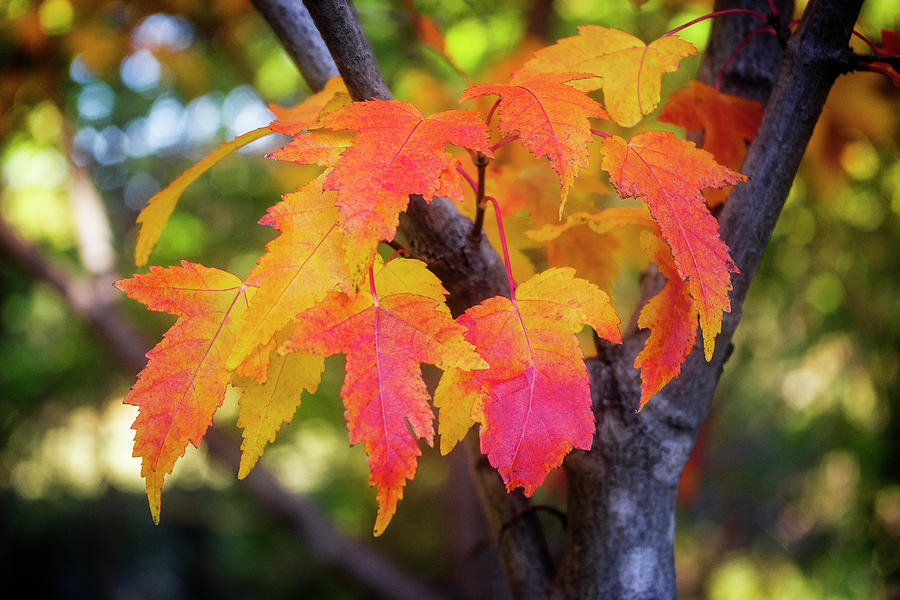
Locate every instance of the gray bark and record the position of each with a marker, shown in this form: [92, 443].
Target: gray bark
[296, 31]
[622, 493]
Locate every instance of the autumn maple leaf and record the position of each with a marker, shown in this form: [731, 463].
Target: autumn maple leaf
[601, 222]
[671, 317]
[628, 70]
[315, 147]
[290, 121]
[386, 331]
[265, 406]
[565, 242]
[728, 123]
[300, 267]
[154, 216]
[668, 174]
[550, 117]
[534, 402]
[185, 378]
[398, 152]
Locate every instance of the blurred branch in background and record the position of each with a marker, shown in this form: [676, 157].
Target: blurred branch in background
[352, 557]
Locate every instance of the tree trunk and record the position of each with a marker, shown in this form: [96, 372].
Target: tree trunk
[621, 494]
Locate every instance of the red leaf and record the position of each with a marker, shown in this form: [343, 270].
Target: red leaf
[386, 332]
[668, 174]
[728, 123]
[550, 117]
[671, 318]
[890, 46]
[534, 402]
[398, 152]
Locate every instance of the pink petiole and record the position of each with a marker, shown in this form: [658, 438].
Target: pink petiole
[512, 284]
[718, 13]
[372, 285]
[504, 141]
[468, 178]
[737, 49]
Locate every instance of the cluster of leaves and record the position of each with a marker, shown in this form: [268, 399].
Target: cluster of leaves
[513, 365]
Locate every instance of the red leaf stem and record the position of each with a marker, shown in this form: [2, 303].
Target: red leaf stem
[718, 13]
[512, 284]
[737, 49]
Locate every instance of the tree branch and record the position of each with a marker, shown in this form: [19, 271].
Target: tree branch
[296, 31]
[352, 557]
[337, 25]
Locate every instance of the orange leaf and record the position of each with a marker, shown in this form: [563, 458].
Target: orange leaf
[398, 152]
[534, 402]
[185, 378]
[386, 332]
[316, 147]
[628, 70]
[668, 174]
[601, 223]
[597, 266]
[153, 217]
[671, 318]
[728, 123]
[550, 117]
[290, 121]
[300, 267]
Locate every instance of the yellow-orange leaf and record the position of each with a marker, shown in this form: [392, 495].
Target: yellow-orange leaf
[185, 378]
[315, 147]
[386, 331]
[628, 70]
[153, 217]
[551, 119]
[671, 318]
[299, 268]
[290, 121]
[533, 402]
[668, 174]
[265, 406]
[597, 265]
[602, 222]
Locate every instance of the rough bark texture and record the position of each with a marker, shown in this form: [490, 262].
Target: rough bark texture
[753, 70]
[621, 496]
[349, 47]
[622, 493]
[288, 18]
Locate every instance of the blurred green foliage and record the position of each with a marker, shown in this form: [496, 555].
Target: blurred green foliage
[798, 493]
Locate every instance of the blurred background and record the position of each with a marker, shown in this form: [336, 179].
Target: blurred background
[793, 490]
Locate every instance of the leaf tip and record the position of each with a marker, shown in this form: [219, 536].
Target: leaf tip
[154, 499]
[246, 466]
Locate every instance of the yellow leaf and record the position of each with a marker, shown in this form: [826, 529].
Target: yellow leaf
[154, 216]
